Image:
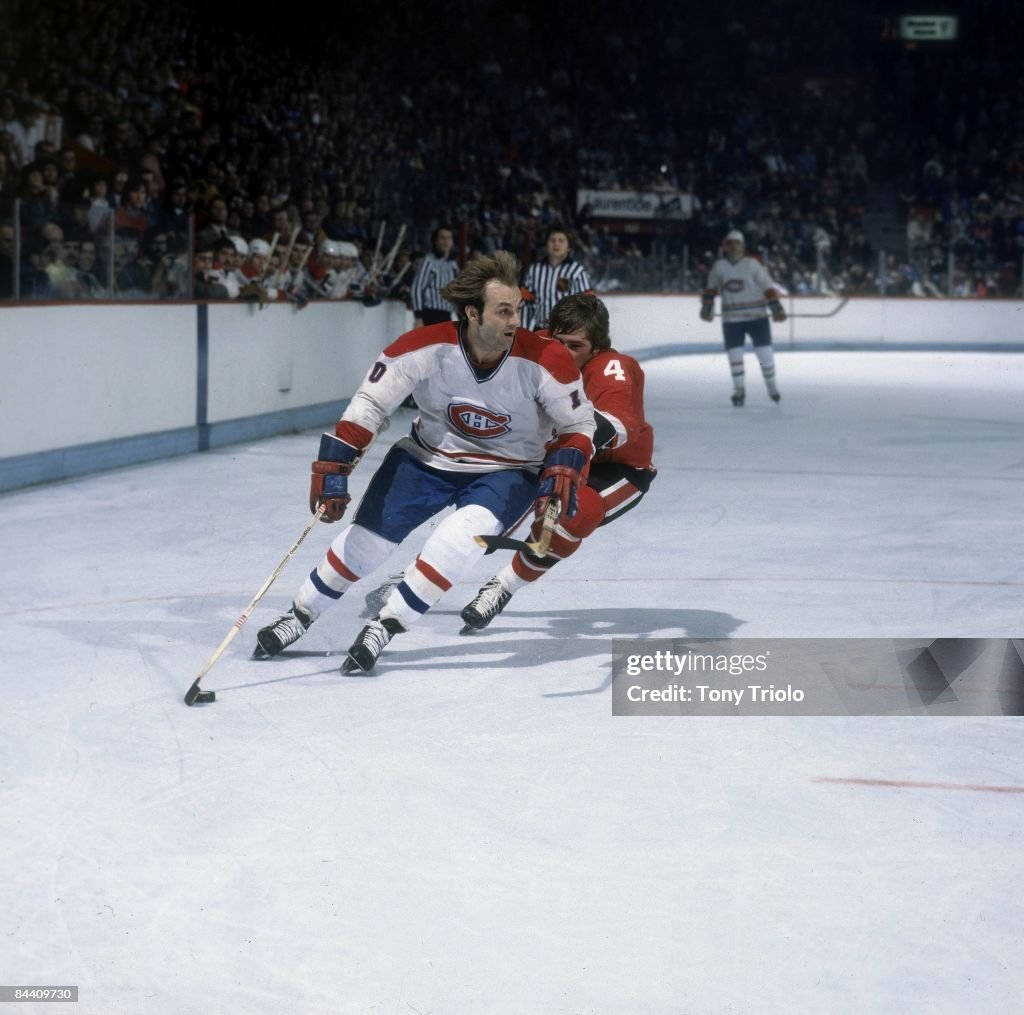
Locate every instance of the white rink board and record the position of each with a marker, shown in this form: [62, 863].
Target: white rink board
[77, 374]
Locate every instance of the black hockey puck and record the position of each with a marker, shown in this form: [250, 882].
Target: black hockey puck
[206, 697]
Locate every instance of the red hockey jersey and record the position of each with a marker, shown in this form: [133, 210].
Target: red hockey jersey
[614, 382]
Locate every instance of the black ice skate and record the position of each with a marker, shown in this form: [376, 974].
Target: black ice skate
[773, 393]
[283, 632]
[366, 649]
[738, 397]
[489, 602]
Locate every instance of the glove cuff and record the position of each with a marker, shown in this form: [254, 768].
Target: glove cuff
[562, 459]
[573, 475]
[331, 468]
[334, 449]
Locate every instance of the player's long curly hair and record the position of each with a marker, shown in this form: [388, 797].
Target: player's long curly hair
[582, 312]
[467, 288]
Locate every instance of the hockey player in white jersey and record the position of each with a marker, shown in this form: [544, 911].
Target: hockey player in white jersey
[503, 424]
[748, 296]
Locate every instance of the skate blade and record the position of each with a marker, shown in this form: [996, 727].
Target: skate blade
[351, 667]
[259, 652]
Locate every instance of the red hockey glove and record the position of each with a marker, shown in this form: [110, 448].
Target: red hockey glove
[329, 486]
[778, 314]
[562, 474]
[329, 481]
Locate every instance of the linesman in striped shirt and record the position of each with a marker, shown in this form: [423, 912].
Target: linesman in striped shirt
[549, 280]
[435, 271]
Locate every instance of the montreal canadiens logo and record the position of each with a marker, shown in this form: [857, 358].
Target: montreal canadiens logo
[734, 285]
[476, 421]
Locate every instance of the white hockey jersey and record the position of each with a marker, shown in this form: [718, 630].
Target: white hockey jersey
[472, 419]
[745, 287]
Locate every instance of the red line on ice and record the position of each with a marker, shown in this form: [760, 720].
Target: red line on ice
[908, 784]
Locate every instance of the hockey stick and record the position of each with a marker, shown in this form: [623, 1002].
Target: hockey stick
[270, 257]
[831, 313]
[397, 279]
[537, 549]
[194, 694]
[392, 253]
[295, 288]
[378, 269]
[375, 263]
[287, 257]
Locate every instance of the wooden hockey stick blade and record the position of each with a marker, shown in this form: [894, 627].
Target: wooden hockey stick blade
[193, 694]
[506, 543]
[535, 549]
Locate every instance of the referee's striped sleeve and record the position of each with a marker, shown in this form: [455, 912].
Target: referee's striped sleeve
[431, 277]
[551, 284]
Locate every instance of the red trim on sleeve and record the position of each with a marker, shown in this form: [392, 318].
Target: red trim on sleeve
[581, 442]
[353, 434]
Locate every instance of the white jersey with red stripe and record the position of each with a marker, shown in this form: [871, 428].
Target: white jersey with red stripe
[472, 419]
[745, 287]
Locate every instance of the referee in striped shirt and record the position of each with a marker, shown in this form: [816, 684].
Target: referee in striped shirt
[435, 271]
[549, 280]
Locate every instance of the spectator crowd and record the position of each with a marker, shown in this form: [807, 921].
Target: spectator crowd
[160, 151]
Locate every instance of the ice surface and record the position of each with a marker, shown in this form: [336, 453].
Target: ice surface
[471, 831]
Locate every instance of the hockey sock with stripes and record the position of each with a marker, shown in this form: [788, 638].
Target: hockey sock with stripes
[766, 357]
[736, 368]
[355, 552]
[447, 556]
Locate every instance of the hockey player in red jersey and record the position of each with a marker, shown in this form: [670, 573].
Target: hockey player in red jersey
[621, 471]
[490, 396]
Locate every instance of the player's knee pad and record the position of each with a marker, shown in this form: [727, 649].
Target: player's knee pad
[362, 550]
[452, 547]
